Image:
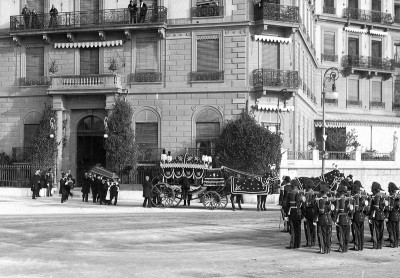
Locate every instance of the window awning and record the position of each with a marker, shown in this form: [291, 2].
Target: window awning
[88, 44]
[356, 30]
[378, 33]
[272, 39]
[269, 107]
[357, 120]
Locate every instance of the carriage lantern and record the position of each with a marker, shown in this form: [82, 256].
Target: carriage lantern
[163, 156]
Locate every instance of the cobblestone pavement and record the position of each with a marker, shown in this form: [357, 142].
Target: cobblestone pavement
[44, 238]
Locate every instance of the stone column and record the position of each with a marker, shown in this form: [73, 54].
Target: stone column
[58, 105]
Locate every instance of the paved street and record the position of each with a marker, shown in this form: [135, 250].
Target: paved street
[43, 238]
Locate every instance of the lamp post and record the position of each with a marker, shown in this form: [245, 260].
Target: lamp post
[330, 75]
[105, 128]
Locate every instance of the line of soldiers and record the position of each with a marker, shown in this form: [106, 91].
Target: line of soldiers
[104, 190]
[347, 208]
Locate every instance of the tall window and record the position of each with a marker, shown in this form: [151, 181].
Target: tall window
[397, 55]
[353, 93]
[353, 4]
[38, 6]
[89, 61]
[329, 3]
[207, 131]
[146, 56]
[208, 53]
[31, 123]
[353, 46]
[376, 5]
[35, 62]
[146, 129]
[87, 5]
[270, 55]
[376, 49]
[329, 47]
[376, 94]
[397, 12]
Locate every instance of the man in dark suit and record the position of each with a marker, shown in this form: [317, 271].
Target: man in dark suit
[132, 8]
[147, 186]
[53, 16]
[86, 188]
[35, 184]
[26, 13]
[142, 11]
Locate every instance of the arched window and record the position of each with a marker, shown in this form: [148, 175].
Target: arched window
[208, 124]
[146, 129]
[91, 126]
[31, 123]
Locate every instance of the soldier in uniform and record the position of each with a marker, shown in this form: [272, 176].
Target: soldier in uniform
[377, 215]
[293, 213]
[393, 215]
[342, 218]
[361, 207]
[324, 219]
[309, 213]
[284, 190]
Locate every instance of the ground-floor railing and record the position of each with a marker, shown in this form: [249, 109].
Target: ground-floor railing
[300, 155]
[16, 175]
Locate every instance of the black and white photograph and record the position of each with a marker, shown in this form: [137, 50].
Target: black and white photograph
[199, 138]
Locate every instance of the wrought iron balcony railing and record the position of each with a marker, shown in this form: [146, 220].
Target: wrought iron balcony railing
[207, 76]
[96, 81]
[34, 81]
[83, 19]
[331, 102]
[329, 10]
[367, 62]
[367, 16]
[377, 104]
[329, 57]
[330, 155]
[276, 12]
[276, 78]
[354, 103]
[207, 11]
[146, 77]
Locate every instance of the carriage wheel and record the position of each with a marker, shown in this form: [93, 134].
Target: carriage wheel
[211, 200]
[224, 202]
[163, 195]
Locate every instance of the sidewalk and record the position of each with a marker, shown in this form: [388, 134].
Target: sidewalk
[53, 206]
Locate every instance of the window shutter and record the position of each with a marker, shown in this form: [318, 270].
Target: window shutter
[89, 61]
[207, 131]
[353, 90]
[208, 54]
[353, 4]
[329, 43]
[146, 57]
[329, 3]
[377, 49]
[35, 62]
[147, 135]
[88, 5]
[376, 93]
[35, 4]
[376, 5]
[353, 46]
[270, 55]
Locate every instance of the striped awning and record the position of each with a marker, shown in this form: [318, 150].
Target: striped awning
[357, 120]
[378, 33]
[272, 39]
[356, 30]
[269, 107]
[88, 44]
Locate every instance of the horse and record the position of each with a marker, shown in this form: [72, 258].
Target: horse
[332, 178]
[269, 179]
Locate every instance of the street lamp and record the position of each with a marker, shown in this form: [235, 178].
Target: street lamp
[105, 128]
[331, 75]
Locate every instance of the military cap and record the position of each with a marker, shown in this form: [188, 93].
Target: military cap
[356, 187]
[392, 187]
[287, 179]
[324, 187]
[376, 186]
[295, 183]
[308, 184]
[342, 188]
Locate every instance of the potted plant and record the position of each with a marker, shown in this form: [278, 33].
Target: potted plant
[113, 66]
[53, 67]
[313, 145]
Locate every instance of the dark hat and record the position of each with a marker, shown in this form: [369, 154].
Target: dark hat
[344, 183]
[287, 179]
[350, 177]
[392, 187]
[324, 187]
[308, 184]
[358, 183]
[342, 188]
[356, 187]
[376, 186]
[295, 183]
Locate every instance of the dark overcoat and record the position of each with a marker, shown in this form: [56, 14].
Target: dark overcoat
[147, 189]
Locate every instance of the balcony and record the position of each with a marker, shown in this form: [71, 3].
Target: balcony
[276, 78]
[146, 77]
[83, 19]
[329, 57]
[329, 10]
[275, 12]
[367, 16]
[354, 103]
[207, 11]
[98, 83]
[331, 102]
[207, 76]
[34, 81]
[377, 105]
[367, 62]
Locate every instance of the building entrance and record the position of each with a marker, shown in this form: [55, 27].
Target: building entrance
[90, 145]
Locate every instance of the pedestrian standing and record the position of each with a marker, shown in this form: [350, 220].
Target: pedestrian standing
[324, 219]
[114, 190]
[147, 192]
[26, 15]
[63, 188]
[86, 188]
[293, 213]
[342, 218]
[309, 213]
[393, 216]
[361, 207]
[185, 190]
[53, 16]
[49, 182]
[133, 10]
[377, 216]
[94, 187]
[142, 11]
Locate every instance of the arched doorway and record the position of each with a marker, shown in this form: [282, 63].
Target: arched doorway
[90, 144]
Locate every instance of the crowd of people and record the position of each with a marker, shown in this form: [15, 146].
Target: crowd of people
[40, 180]
[347, 208]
